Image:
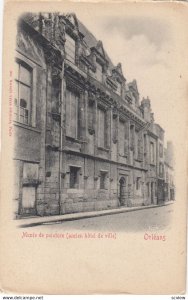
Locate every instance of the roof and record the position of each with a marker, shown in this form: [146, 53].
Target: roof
[91, 40]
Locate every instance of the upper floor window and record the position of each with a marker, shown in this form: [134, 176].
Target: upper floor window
[152, 153]
[132, 137]
[101, 128]
[70, 48]
[122, 129]
[98, 72]
[72, 114]
[161, 169]
[160, 150]
[22, 100]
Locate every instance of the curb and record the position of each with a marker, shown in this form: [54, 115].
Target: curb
[37, 221]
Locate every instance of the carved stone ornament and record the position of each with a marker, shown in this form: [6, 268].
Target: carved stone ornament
[114, 140]
[91, 131]
[91, 99]
[115, 114]
[56, 116]
[63, 175]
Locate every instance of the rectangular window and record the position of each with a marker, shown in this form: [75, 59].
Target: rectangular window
[148, 189]
[103, 180]
[74, 177]
[161, 169]
[138, 183]
[136, 144]
[132, 139]
[70, 48]
[71, 114]
[160, 150]
[145, 143]
[101, 128]
[98, 72]
[22, 99]
[152, 154]
[121, 138]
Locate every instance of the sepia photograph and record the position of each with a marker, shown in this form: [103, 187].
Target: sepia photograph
[94, 148]
[86, 139]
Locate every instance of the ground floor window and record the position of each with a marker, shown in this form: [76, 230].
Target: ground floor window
[74, 177]
[148, 191]
[103, 176]
[138, 183]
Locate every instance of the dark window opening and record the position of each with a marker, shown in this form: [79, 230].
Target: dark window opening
[74, 177]
[138, 183]
[103, 180]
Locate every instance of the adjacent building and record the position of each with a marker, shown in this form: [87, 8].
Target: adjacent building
[169, 172]
[83, 138]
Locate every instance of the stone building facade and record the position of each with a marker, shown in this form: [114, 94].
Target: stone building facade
[83, 139]
[169, 172]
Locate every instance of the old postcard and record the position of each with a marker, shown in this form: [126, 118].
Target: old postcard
[94, 147]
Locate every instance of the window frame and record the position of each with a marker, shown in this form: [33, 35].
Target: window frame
[76, 184]
[122, 137]
[160, 150]
[33, 67]
[99, 71]
[103, 184]
[71, 58]
[69, 134]
[101, 140]
[152, 153]
[20, 84]
[138, 183]
[161, 169]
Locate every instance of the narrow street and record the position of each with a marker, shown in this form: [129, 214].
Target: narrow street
[158, 217]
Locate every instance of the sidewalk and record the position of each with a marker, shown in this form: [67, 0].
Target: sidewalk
[36, 221]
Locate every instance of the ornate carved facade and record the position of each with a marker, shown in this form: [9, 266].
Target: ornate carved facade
[93, 145]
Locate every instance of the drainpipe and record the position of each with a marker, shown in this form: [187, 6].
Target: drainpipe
[61, 136]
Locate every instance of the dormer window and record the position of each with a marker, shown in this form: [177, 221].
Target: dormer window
[98, 72]
[70, 48]
[118, 91]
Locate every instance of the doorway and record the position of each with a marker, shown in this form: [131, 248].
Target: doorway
[122, 191]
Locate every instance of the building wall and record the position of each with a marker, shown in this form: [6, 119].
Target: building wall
[89, 146]
[29, 138]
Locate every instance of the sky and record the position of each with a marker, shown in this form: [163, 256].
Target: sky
[146, 48]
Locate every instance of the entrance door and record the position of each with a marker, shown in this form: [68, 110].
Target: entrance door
[122, 191]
